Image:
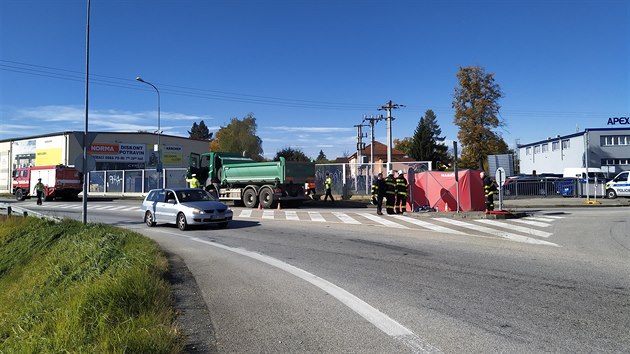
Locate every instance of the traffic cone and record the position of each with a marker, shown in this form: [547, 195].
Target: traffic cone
[279, 207]
[259, 206]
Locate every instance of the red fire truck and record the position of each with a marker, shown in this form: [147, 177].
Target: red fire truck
[59, 181]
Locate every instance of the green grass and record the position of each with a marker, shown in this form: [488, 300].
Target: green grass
[69, 287]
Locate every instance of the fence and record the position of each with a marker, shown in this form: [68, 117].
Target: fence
[348, 179]
[356, 179]
[545, 187]
[134, 182]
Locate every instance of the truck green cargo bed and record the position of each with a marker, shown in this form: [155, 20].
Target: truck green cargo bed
[268, 172]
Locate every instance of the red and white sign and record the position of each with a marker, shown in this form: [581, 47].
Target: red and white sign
[118, 152]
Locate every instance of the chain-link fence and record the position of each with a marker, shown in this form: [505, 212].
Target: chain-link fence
[356, 179]
[134, 181]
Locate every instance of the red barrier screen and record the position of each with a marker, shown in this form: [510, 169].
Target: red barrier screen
[439, 190]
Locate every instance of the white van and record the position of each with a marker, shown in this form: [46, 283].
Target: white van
[580, 172]
[619, 186]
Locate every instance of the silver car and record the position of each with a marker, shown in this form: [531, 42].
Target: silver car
[184, 207]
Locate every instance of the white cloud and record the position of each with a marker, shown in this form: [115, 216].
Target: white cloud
[311, 129]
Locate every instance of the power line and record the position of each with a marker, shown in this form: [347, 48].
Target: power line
[71, 75]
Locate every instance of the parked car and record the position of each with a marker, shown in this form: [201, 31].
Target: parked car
[184, 207]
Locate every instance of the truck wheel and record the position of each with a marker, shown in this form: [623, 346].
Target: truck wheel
[266, 198]
[250, 199]
[19, 195]
[611, 194]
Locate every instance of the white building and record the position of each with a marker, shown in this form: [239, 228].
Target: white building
[111, 151]
[605, 148]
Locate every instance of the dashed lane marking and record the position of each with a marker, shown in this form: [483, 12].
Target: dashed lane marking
[246, 213]
[268, 214]
[291, 215]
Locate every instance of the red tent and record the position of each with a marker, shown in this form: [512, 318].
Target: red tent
[438, 189]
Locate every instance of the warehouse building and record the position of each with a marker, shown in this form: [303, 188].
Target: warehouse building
[108, 151]
[605, 148]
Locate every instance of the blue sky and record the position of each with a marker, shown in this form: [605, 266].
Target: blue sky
[310, 70]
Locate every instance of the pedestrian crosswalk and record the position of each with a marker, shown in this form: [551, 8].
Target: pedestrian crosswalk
[525, 230]
[531, 229]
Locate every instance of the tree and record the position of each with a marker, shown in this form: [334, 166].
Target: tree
[291, 154]
[239, 136]
[200, 132]
[427, 144]
[403, 145]
[321, 158]
[477, 114]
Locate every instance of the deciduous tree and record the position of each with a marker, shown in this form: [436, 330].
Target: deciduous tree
[239, 136]
[403, 145]
[476, 104]
[291, 154]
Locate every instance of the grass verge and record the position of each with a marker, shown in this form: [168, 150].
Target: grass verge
[69, 287]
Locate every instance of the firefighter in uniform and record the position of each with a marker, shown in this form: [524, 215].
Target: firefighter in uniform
[193, 181]
[328, 186]
[489, 188]
[390, 192]
[402, 187]
[39, 189]
[378, 192]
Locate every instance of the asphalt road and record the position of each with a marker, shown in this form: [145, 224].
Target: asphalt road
[321, 280]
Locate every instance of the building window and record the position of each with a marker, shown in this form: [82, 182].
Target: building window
[545, 148]
[615, 162]
[614, 140]
[528, 151]
[555, 146]
[537, 149]
[566, 143]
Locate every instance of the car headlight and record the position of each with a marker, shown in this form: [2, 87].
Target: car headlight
[196, 211]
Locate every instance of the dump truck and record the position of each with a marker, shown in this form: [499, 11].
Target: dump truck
[250, 183]
[59, 181]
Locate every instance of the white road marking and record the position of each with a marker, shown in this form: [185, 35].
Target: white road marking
[345, 218]
[315, 216]
[291, 215]
[381, 220]
[525, 230]
[502, 234]
[268, 214]
[538, 218]
[428, 225]
[245, 213]
[383, 322]
[531, 222]
[553, 216]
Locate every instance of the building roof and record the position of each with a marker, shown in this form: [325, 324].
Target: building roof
[92, 132]
[380, 150]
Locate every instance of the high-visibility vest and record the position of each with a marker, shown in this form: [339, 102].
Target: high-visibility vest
[328, 182]
[194, 182]
[39, 186]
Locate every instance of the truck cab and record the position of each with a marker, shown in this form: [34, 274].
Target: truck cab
[619, 186]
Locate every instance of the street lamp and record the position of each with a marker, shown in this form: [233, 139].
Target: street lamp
[159, 151]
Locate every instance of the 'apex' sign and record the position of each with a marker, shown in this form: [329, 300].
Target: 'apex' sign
[618, 120]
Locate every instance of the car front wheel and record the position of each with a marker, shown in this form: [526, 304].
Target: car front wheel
[148, 219]
[611, 194]
[181, 222]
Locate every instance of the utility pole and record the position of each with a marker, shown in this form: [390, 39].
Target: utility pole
[360, 147]
[372, 120]
[388, 107]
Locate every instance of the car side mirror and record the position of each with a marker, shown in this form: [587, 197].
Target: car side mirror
[171, 201]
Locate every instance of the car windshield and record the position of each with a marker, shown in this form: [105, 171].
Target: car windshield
[194, 195]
